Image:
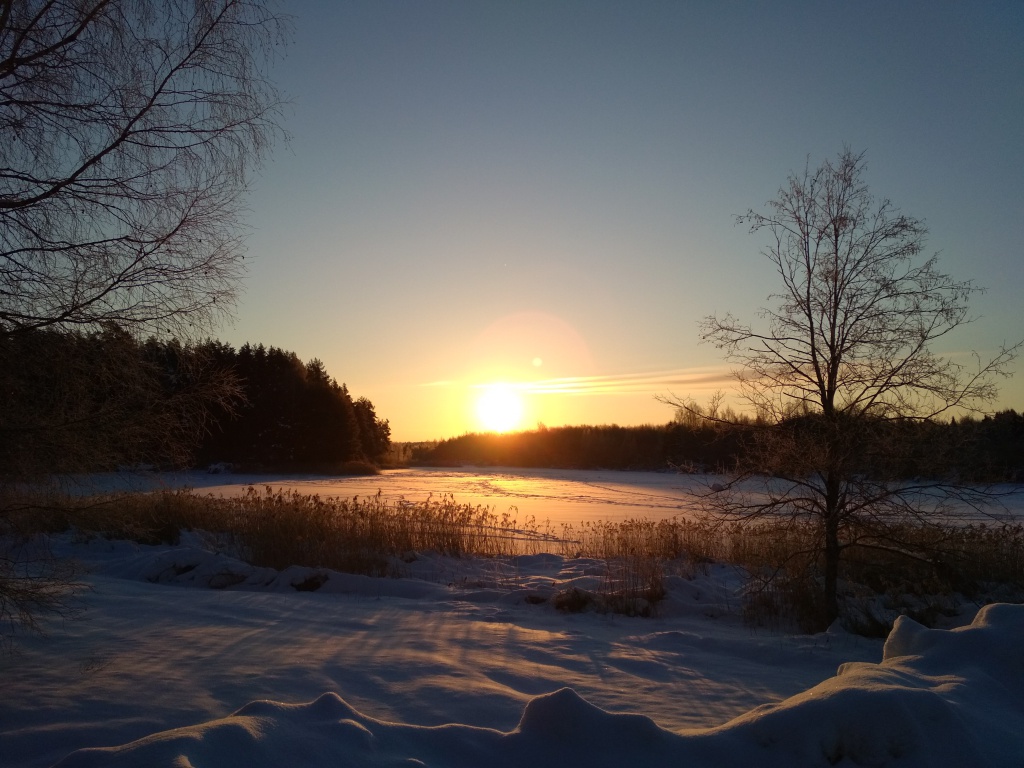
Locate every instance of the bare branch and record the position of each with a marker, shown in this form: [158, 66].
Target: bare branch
[132, 128]
[840, 361]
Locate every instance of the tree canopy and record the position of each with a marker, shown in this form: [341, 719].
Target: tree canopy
[853, 328]
[130, 130]
[292, 415]
[840, 363]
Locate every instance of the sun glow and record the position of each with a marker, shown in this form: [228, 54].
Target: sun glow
[499, 408]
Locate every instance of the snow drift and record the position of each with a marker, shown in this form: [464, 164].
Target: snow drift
[938, 697]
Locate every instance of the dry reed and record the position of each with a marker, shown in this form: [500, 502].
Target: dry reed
[373, 535]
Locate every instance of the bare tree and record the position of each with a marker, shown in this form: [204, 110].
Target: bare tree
[843, 357]
[129, 131]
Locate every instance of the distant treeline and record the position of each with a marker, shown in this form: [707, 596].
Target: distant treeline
[589, 447]
[990, 449]
[91, 401]
[290, 416]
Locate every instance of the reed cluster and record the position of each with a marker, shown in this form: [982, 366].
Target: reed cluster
[374, 535]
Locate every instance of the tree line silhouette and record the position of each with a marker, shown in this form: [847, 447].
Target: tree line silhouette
[988, 449]
[89, 401]
[76, 401]
[292, 415]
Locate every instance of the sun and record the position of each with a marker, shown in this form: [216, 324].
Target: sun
[499, 408]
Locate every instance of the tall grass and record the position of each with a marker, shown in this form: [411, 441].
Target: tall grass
[359, 534]
[897, 568]
[374, 535]
[637, 555]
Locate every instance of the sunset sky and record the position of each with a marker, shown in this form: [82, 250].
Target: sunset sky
[543, 193]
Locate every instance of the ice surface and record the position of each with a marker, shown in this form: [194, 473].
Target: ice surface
[558, 496]
[554, 495]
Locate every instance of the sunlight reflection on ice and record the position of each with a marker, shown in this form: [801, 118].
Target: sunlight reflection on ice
[552, 496]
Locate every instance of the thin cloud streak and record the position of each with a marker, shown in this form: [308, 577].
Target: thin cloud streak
[631, 383]
[655, 382]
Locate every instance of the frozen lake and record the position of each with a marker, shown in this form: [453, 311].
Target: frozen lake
[555, 496]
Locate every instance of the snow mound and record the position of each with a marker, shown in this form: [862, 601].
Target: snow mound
[938, 698]
[193, 564]
[556, 729]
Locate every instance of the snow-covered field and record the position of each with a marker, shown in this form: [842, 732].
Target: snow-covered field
[184, 657]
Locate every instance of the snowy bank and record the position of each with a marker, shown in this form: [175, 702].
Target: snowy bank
[467, 663]
[937, 698]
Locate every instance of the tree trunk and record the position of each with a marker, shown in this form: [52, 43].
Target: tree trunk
[831, 600]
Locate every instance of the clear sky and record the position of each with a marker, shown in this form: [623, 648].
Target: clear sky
[542, 193]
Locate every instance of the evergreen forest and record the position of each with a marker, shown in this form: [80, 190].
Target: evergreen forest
[100, 400]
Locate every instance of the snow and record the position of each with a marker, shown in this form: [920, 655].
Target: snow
[186, 657]
[555, 496]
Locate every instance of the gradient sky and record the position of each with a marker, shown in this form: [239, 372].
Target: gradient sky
[544, 192]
